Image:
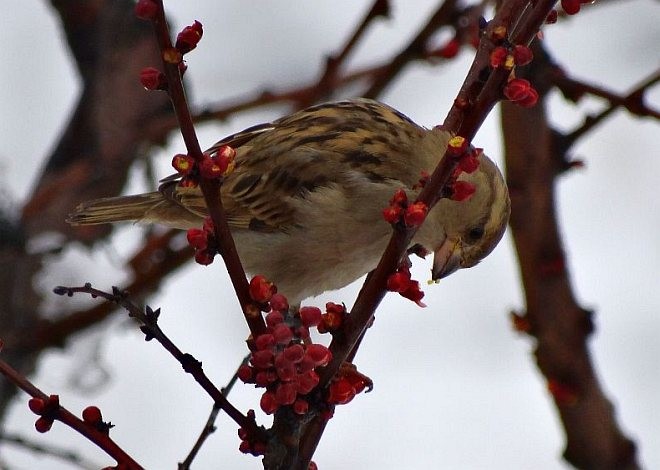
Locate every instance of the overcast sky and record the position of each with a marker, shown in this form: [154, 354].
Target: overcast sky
[455, 387]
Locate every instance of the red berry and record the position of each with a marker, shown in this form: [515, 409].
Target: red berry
[415, 214]
[310, 316]
[319, 354]
[286, 394]
[392, 214]
[498, 56]
[197, 238]
[245, 373]
[261, 290]
[274, 318]
[268, 403]
[146, 9]
[522, 55]
[571, 7]
[43, 424]
[184, 164]
[265, 341]
[189, 37]
[282, 333]
[279, 303]
[462, 190]
[37, 405]
[92, 415]
[153, 79]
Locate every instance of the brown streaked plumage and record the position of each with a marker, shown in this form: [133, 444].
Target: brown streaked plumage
[305, 200]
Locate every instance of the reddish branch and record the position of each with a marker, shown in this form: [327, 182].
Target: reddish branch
[101, 439]
[210, 187]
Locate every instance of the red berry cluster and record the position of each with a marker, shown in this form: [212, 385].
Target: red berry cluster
[186, 41]
[400, 209]
[284, 360]
[212, 166]
[203, 241]
[46, 409]
[347, 383]
[468, 162]
[402, 283]
[248, 444]
[521, 92]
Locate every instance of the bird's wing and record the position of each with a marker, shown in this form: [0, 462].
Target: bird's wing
[280, 163]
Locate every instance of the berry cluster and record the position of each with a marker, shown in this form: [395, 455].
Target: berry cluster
[212, 166]
[284, 360]
[402, 283]
[400, 209]
[203, 241]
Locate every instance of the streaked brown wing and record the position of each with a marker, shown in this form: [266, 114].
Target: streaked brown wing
[281, 162]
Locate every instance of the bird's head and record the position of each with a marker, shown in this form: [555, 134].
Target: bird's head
[460, 234]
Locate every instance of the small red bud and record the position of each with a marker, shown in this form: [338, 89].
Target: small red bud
[552, 17]
[294, 353]
[245, 373]
[261, 290]
[37, 405]
[399, 198]
[197, 238]
[282, 333]
[268, 403]
[398, 282]
[457, 146]
[392, 214]
[92, 415]
[265, 341]
[274, 318]
[469, 163]
[310, 316]
[153, 79]
[571, 7]
[340, 392]
[414, 293]
[262, 359]
[146, 9]
[415, 214]
[279, 303]
[498, 57]
[462, 190]
[189, 37]
[204, 257]
[184, 164]
[285, 394]
[319, 354]
[43, 424]
[307, 381]
[522, 55]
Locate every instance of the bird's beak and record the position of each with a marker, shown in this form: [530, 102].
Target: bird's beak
[447, 258]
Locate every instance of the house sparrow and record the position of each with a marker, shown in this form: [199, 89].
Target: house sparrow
[306, 197]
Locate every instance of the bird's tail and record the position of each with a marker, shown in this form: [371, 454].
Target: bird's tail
[116, 209]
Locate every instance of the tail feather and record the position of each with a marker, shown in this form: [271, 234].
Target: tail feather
[116, 209]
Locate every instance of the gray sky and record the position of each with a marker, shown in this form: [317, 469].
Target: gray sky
[455, 387]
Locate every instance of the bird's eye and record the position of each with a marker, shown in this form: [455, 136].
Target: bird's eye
[475, 233]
